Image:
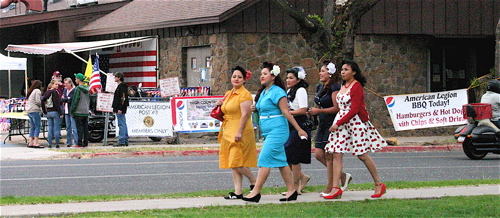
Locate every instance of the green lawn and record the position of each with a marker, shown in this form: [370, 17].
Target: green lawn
[471, 206]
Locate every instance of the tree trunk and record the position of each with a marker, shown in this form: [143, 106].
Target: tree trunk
[497, 51]
[331, 36]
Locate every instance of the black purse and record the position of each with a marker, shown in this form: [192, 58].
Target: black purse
[311, 123]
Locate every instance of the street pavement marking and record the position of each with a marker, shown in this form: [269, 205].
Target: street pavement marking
[107, 164]
[225, 172]
[205, 161]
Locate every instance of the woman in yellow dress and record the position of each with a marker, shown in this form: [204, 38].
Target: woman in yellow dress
[236, 136]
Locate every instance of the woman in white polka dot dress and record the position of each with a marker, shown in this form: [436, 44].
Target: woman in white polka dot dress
[352, 131]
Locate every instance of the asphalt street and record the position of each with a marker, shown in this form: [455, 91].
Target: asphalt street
[107, 176]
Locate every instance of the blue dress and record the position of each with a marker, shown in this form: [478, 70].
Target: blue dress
[274, 127]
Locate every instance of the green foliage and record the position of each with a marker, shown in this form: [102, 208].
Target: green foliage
[317, 18]
[478, 85]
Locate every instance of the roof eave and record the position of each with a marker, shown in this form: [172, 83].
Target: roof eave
[69, 13]
[160, 25]
[237, 9]
[177, 23]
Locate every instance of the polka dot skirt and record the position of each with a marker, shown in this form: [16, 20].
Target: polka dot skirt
[354, 136]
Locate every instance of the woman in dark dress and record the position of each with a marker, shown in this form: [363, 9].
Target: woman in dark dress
[298, 151]
[326, 110]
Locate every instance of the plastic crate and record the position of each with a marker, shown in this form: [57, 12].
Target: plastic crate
[477, 111]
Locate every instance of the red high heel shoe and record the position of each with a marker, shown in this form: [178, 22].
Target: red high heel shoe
[337, 194]
[382, 191]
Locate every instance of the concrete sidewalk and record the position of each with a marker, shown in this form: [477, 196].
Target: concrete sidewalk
[68, 208]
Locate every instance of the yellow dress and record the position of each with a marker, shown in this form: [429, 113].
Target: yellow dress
[242, 153]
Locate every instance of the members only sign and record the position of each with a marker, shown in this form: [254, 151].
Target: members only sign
[425, 110]
[149, 118]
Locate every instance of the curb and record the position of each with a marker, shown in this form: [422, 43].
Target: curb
[421, 148]
[216, 152]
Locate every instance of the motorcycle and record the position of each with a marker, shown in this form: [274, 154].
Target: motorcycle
[96, 127]
[480, 136]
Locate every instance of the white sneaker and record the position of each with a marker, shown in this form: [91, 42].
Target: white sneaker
[348, 179]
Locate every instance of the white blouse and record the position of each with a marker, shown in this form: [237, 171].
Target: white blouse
[300, 100]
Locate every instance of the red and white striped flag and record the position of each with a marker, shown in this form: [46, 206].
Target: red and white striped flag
[137, 61]
[95, 80]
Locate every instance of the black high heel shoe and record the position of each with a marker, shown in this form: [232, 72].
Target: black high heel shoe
[292, 197]
[255, 198]
[233, 195]
[251, 187]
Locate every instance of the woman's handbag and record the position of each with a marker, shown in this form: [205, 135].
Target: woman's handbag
[217, 112]
[49, 103]
[311, 123]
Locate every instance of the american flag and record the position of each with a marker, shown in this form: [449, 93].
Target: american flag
[137, 61]
[95, 80]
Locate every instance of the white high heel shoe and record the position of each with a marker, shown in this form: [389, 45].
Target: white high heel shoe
[348, 179]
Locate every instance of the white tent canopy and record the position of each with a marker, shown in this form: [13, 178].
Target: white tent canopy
[72, 47]
[10, 63]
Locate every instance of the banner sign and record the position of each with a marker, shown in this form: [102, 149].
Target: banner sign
[149, 118]
[110, 83]
[192, 114]
[104, 102]
[170, 87]
[427, 110]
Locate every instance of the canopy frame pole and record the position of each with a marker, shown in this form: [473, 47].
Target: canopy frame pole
[8, 75]
[86, 62]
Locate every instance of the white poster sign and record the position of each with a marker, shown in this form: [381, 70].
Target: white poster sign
[110, 83]
[192, 114]
[170, 87]
[104, 102]
[149, 118]
[425, 110]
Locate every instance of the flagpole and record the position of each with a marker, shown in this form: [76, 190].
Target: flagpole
[86, 62]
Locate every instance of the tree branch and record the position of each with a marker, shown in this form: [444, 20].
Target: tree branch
[301, 18]
[359, 8]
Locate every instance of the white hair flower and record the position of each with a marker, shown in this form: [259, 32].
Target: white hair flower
[301, 72]
[276, 70]
[331, 68]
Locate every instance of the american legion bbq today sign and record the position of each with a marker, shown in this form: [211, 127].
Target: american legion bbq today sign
[425, 110]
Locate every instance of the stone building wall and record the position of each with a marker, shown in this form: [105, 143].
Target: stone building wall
[394, 65]
[173, 56]
[246, 50]
[286, 50]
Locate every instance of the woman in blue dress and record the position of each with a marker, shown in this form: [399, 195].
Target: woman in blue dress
[274, 115]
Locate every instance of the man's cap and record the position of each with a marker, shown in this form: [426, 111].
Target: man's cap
[80, 76]
[118, 74]
[56, 73]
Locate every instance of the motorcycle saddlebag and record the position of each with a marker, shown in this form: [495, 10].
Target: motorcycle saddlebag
[465, 129]
[483, 134]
